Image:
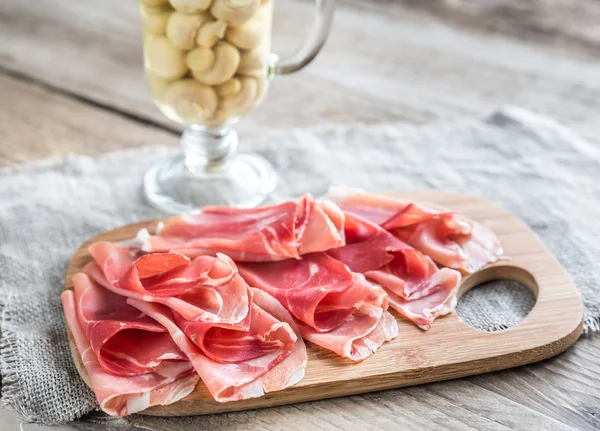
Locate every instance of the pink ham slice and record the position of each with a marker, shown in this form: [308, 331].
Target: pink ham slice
[256, 375]
[389, 262]
[205, 289]
[126, 342]
[318, 290]
[363, 332]
[334, 308]
[423, 311]
[417, 288]
[169, 381]
[272, 233]
[265, 335]
[448, 238]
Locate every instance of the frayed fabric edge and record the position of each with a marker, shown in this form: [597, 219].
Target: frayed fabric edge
[13, 387]
[12, 384]
[591, 325]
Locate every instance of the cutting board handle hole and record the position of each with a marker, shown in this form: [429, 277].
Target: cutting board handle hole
[493, 302]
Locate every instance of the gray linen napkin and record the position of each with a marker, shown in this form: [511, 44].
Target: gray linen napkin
[531, 165]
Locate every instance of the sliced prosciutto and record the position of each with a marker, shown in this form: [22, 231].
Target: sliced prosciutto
[273, 233]
[448, 238]
[318, 290]
[130, 360]
[278, 362]
[363, 332]
[125, 341]
[417, 288]
[206, 288]
[423, 311]
[334, 308]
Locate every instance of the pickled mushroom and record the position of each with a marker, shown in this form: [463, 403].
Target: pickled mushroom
[190, 6]
[253, 63]
[200, 59]
[191, 101]
[182, 29]
[242, 101]
[210, 33]
[163, 59]
[234, 12]
[233, 86]
[227, 60]
[154, 19]
[249, 35]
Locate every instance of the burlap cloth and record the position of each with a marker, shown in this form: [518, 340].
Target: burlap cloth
[531, 165]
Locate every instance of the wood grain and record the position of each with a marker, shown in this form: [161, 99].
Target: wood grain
[39, 123]
[450, 349]
[569, 25]
[378, 65]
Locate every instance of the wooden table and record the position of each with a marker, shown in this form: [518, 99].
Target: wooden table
[71, 81]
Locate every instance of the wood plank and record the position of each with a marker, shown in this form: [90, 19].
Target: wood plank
[38, 123]
[406, 67]
[565, 388]
[417, 357]
[456, 405]
[570, 25]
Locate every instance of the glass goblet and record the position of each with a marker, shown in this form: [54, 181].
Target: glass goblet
[208, 63]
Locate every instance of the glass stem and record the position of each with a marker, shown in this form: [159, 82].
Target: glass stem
[208, 150]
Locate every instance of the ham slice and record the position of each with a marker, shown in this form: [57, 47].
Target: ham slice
[318, 290]
[363, 332]
[255, 374]
[417, 288]
[126, 342]
[265, 335]
[334, 308]
[448, 238]
[389, 262]
[205, 289]
[171, 378]
[423, 311]
[273, 233]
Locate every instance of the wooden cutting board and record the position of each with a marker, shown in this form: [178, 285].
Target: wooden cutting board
[450, 349]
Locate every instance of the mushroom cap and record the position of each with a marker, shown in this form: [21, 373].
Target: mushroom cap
[190, 6]
[227, 60]
[190, 101]
[254, 32]
[242, 101]
[200, 59]
[234, 12]
[254, 63]
[154, 19]
[163, 59]
[182, 29]
[210, 33]
[233, 86]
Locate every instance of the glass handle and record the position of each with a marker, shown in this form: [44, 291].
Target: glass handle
[317, 37]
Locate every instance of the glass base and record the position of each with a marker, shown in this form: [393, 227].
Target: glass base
[245, 181]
